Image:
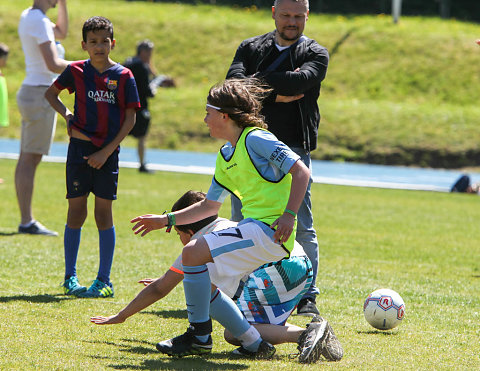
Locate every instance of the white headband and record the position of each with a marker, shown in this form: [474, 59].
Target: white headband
[214, 107]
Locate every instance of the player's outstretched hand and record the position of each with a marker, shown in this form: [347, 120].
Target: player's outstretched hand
[147, 223]
[147, 281]
[284, 226]
[112, 320]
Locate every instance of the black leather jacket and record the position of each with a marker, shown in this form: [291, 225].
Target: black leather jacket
[312, 59]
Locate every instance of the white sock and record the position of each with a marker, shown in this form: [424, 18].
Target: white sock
[250, 339]
[26, 225]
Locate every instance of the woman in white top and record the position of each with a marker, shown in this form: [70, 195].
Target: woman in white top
[42, 61]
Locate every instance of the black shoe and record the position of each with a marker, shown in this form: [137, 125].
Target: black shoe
[306, 307]
[319, 340]
[36, 228]
[265, 351]
[185, 345]
[143, 169]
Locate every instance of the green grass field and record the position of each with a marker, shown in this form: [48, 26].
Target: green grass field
[405, 94]
[424, 245]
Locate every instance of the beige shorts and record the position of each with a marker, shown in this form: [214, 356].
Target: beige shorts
[38, 119]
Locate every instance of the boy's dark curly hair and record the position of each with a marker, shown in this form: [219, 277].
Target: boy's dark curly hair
[97, 23]
[190, 198]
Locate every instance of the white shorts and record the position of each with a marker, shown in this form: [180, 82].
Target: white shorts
[239, 250]
[38, 120]
[215, 278]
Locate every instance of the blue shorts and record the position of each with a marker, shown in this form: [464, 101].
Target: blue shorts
[83, 179]
[272, 291]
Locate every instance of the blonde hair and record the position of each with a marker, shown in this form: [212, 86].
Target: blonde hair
[241, 99]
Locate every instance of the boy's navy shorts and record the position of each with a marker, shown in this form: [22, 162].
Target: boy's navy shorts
[83, 179]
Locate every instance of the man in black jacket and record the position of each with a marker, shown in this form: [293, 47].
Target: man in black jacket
[294, 66]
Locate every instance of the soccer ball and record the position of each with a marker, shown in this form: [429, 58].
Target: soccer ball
[384, 309]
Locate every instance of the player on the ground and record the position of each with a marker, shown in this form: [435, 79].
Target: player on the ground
[267, 299]
[267, 176]
[105, 102]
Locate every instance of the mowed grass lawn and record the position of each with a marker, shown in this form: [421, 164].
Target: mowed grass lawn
[424, 245]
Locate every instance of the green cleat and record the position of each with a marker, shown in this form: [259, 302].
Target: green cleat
[98, 289]
[71, 286]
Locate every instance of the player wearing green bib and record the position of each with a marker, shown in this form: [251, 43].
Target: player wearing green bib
[271, 181]
[261, 198]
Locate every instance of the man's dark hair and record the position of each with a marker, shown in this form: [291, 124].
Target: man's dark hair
[96, 24]
[3, 50]
[190, 198]
[144, 45]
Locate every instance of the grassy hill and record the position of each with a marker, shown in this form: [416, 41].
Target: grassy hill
[398, 94]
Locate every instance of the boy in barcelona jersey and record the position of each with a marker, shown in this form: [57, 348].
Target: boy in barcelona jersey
[106, 100]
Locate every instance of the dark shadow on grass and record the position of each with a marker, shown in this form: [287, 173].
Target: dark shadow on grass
[34, 298]
[210, 362]
[138, 341]
[178, 314]
[138, 349]
[214, 361]
[8, 233]
[379, 332]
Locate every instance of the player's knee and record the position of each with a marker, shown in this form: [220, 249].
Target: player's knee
[196, 252]
[188, 255]
[76, 216]
[103, 218]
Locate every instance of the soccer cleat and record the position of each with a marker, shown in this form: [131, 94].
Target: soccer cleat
[306, 307]
[317, 340]
[36, 228]
[71, 286]
[310, 341]
[185, 345]
[332, 350]
[265, 351]
[98, 289]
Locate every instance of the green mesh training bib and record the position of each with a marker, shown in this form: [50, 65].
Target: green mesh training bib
[262, 199]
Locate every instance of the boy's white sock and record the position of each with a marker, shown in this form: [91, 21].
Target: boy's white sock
[250, 339]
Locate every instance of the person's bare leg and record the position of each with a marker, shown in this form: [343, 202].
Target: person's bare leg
[141, 150]
[24, 183]
[77, 212]
[274, 334]
[103, 213]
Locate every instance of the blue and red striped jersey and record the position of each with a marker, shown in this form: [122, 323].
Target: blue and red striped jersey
[101, 99]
